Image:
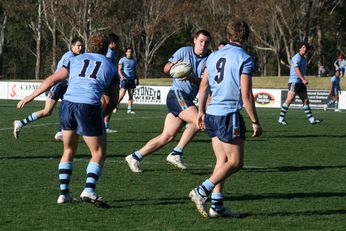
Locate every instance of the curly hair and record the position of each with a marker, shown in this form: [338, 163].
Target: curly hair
[98, 43]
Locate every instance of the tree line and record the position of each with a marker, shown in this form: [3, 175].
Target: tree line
[35, 33]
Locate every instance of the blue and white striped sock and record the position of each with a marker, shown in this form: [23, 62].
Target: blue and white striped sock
[177, 151]
[217, 201]
[137, 155]
[65, 172]
[205, 188]
[94, 171]
[29, 119]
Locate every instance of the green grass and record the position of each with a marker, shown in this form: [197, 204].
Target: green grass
[294, 177]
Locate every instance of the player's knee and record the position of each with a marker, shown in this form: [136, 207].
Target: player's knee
[166, 138]
[236, 165]
[46, 113]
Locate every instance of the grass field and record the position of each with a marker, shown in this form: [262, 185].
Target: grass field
[294, 177]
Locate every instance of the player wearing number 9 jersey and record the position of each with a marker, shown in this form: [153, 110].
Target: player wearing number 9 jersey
[81, 114]
[228, 79]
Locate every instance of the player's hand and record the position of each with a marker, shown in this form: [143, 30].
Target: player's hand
[24, 101]
[200, 121]
[305, 82]
[257, 130]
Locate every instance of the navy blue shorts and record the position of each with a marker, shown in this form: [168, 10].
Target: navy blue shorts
[178, 101]
[335, 91]
[226, 128]
[86, 119]
[297, 87]
[57, 92]
[127, 84]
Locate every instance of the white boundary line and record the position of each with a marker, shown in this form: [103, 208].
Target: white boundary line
[47, 124]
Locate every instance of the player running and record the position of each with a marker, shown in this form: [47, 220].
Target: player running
[181, 108]
[53, 95]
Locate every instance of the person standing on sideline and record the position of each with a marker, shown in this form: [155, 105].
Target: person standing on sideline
[127, 70]
[181, 108]
[340, 64]
[228, 78]
[90, 75]
[53, 95]
[334, 92]
[111, 54]
[297, 85]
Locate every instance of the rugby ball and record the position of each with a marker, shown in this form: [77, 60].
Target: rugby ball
[180, 70]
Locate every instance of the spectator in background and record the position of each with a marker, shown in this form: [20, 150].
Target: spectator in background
[340, 64]
[323, 71]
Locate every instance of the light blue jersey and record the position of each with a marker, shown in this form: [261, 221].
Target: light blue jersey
[128, 67]
[297, 61]
[224, 69]
[90, 75]
[187, 55]
[65, 57]
[335, 83]
[111, 54]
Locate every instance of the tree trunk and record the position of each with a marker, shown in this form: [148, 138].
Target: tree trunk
[38, 40]
[2, 41]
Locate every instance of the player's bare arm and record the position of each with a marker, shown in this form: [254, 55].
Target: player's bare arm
[249, 104]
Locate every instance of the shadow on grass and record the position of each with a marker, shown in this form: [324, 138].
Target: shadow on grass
[293, 168]
[302, 213]
[288, 196]
[48, 157]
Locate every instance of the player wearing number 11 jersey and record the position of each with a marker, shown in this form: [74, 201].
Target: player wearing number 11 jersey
[90, 75]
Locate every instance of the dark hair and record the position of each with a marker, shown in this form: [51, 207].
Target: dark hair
[303, 43]
[77, 39]
[238, 30]
[203, 32]
[222, 43]
[128, 48]
[98, 43]
[113, 38]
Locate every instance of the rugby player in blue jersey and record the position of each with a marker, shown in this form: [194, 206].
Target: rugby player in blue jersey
[228, 78]
[53, 95]
[90, 75]
[297, 85]
[181, 108]
[128, 77]
[111, 54]
[334, 92]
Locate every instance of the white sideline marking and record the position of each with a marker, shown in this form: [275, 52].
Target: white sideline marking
[111, 160]
[47, 124]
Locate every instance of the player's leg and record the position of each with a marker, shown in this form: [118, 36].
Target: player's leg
[304, 97]
[221, 151]
[188, 115]
[97, 147]
[47, 111]
[105, 101]
[122, 90]
[70, 140]
[130, 101]
[171, 127]
[291, 94]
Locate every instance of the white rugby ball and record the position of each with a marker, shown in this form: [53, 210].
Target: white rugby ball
[180, 70]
